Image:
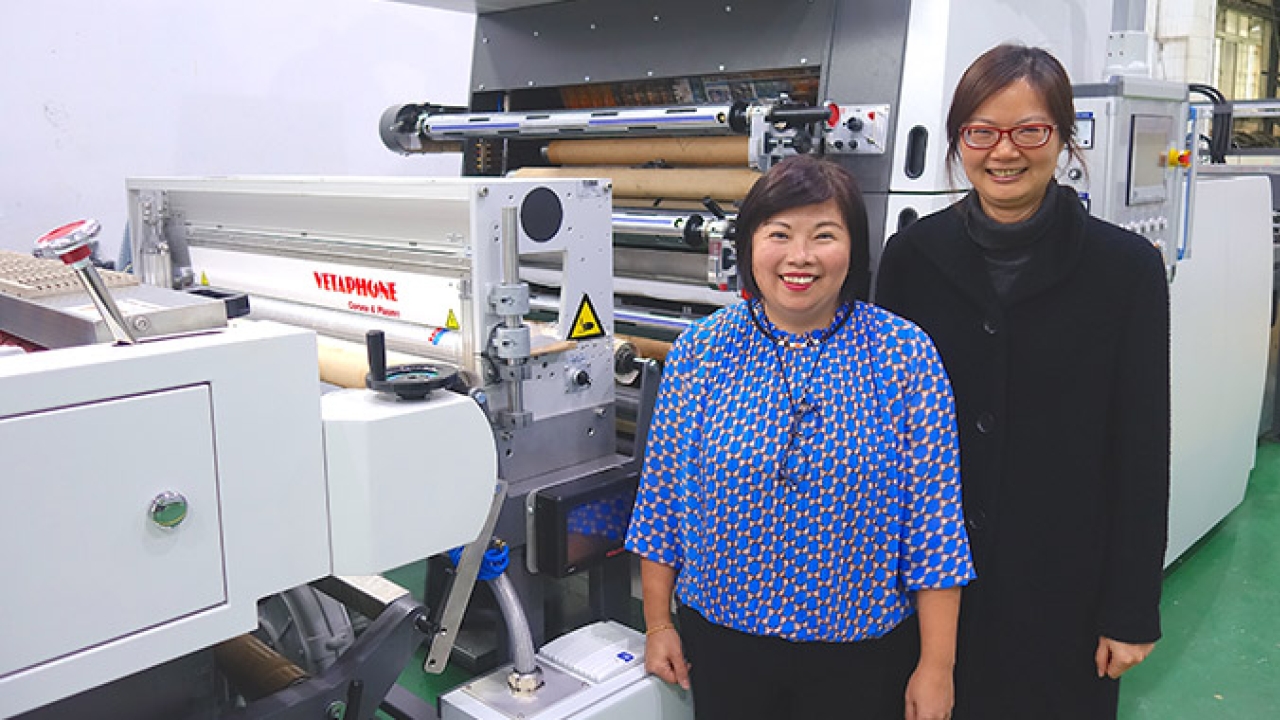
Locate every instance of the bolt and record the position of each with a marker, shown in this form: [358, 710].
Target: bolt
[141, 323]
[336, 710]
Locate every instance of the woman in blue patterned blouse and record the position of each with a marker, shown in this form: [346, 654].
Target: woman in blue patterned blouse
[800, 494]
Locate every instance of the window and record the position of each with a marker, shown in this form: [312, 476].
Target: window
[1241, 53]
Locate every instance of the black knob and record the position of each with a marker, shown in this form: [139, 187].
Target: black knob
[802, 142]
[410, 382]
[376, 346]
[582, 378]
[854, 124]
[692, 233]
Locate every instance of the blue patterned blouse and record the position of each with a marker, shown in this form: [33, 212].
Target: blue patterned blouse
[811, 517]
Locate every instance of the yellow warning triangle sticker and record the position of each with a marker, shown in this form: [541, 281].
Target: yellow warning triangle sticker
[452, 322]
[204, 280]
[586, 324]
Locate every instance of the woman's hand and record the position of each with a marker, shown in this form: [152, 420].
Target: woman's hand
[930, 693]
[1115, 658]
[664, 656]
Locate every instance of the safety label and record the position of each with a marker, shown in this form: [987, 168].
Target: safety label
[586, 324]
[452, 322]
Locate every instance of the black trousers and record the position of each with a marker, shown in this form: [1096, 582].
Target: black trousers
[738, 676]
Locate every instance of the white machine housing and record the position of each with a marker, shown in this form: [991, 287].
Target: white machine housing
[593, 673]
[421, 259]
[97, 589]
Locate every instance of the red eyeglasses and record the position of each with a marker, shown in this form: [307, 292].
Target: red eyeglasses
[1027, 137]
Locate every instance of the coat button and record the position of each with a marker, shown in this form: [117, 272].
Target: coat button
[991, 326]
[976, 521]
[986, 423]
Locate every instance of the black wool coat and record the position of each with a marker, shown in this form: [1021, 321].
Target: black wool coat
[1062, 403]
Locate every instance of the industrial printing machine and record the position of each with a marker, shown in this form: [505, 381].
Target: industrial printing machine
[605, 148]
[244, 455]
[681, 121]
[175, 469]
[674, 116]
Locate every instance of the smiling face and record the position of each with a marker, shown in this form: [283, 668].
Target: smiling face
[799, 259]
[1011, 181]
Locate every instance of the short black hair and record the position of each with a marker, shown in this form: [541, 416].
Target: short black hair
[807, 180]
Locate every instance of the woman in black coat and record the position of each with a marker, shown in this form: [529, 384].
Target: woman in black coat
[1054, 328]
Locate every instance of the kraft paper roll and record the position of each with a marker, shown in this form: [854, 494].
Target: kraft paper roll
[674, 183]
[345, 364]
[647, 347]
[677, 152]
[623, 353]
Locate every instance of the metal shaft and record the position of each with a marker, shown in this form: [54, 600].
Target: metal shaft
[511, 277]
[97, 290]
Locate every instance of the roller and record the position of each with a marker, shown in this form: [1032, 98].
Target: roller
[345, 364]
[676, 151]
[436, 344]
[682, 184]
[254, 669]
[624, 356]
[649, 348]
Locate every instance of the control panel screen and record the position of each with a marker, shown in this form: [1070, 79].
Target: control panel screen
[1148, 145]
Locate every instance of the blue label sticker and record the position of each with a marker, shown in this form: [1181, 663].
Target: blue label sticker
[626, 656]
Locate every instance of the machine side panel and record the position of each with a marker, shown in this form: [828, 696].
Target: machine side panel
[87, 509]
[865, 66]
[605, 40]
[381, 482]
[1219, 307]
[272, 504]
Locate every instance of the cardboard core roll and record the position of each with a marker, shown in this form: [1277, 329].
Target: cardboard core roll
[647, 347]
[345, 364]
[677, 152]
[726, 185]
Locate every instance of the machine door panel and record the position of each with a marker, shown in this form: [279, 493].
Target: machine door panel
[90, 537]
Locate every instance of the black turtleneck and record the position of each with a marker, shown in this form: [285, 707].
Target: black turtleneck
[1007, 247]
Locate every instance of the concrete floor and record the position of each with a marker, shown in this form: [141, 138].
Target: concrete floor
[1220, 655]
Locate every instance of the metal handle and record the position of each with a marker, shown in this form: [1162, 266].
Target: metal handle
[168, 509]
[70, 243]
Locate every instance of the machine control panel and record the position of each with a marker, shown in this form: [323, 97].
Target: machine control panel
[1131, 165]
[858, 130]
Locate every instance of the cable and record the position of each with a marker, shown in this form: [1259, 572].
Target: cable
[1220, 137]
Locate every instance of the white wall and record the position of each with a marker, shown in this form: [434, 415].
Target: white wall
[1183, 31]
[94, 92]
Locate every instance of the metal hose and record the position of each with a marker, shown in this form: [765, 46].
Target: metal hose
[519, 637]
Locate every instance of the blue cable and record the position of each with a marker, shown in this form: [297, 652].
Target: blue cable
[494, 563]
